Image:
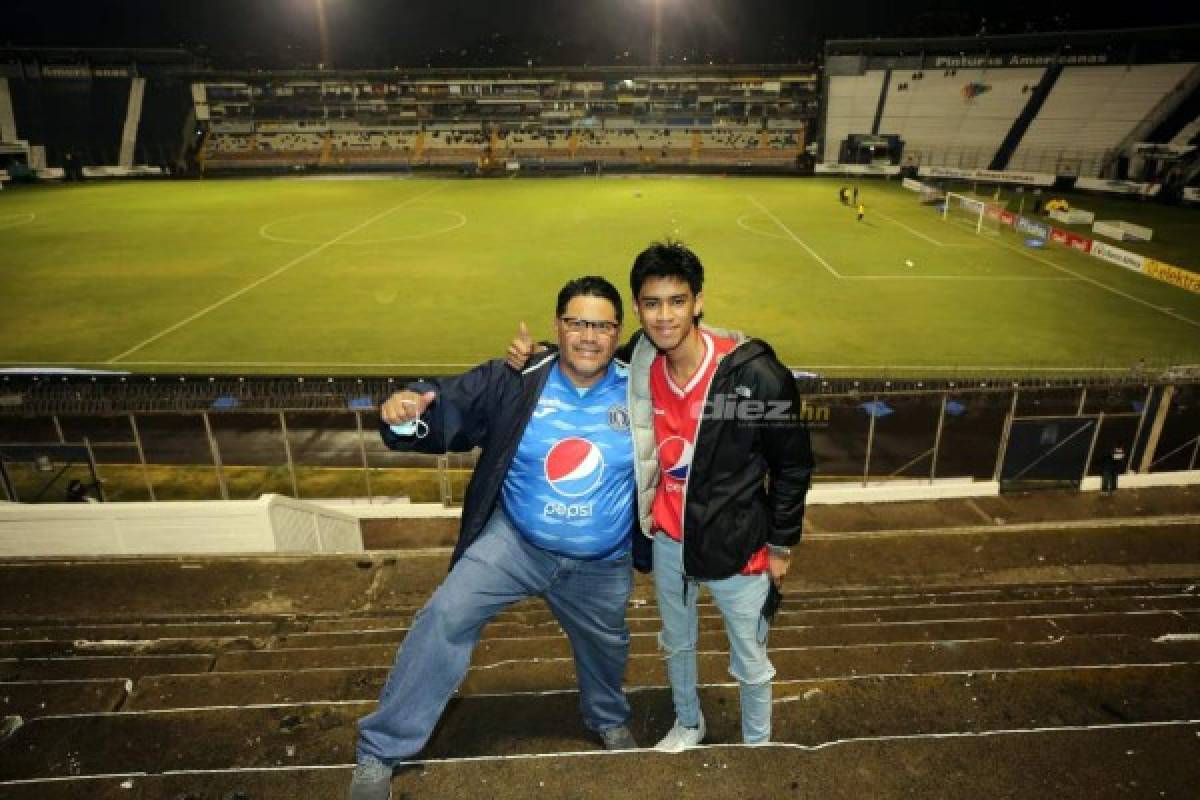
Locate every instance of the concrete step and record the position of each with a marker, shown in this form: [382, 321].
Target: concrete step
[155, 623]
[1123, 760]
[71, 631]
[859, 620]
[132, 667]
[551, 674]
[1148, 624]
[47, 648]
[645, 618]
[1019, 508]
[806, 713]
[32, 699]
[67, 588]
[881, 599]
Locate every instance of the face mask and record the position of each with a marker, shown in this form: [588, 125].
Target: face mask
[414, 427]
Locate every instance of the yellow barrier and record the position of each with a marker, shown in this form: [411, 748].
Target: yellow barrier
[1175, 276]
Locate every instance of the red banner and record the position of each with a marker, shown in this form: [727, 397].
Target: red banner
[1068, 239]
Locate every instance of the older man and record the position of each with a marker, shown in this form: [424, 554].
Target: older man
[549, 512]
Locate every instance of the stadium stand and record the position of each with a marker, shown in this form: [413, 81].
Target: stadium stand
[1077, 104]
[1188, 134]
[850, 107]
[955, 117]
[1089, 113]
[1019, 658]
[115, 109]
[705, 116]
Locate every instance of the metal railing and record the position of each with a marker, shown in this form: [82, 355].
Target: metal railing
[186, 443]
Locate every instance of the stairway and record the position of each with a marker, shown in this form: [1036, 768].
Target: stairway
[1021, 124]
[928, 656]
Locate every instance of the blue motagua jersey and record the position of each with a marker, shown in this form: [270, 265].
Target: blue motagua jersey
[570, 488]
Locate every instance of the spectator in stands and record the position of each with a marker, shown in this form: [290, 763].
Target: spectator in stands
[1114, 465]
[729, 525]
[80, 492]
[549, 512]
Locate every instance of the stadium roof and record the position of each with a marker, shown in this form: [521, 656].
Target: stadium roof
[1185, 38]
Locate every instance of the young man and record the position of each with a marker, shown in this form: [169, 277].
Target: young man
[549, 511]
[735, 464]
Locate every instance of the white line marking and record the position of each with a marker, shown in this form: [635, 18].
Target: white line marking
[741, 221]
[460, 221]
[1017, 278]
[1086, 525]
[945, 367]
[467, 365]
[573, 754]
[303, 257]
[918, 234]
[330, 364]
[796, 238]
[836, 274]
[1095, 282]
[16, 219]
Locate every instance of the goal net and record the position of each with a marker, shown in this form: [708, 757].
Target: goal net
[978, 215]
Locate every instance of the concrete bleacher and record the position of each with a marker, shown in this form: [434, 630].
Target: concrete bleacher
[1187, 135]
[1089, 112]
[1006, 646]
[850, 107]
[942, 124]
[460, 144]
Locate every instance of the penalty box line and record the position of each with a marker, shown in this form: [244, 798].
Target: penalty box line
[953, 278]
[297, 260]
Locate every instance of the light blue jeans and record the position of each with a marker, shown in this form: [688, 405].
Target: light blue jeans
[587, 597]
[740, 600]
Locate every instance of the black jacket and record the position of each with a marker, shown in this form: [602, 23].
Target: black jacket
[752, 463]
[487, 407]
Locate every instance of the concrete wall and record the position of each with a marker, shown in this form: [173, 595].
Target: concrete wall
[270, 524]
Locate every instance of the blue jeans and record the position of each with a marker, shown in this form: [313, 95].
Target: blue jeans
[587, 597]
[740, 600]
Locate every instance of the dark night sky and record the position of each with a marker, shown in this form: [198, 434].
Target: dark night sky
[380, 33]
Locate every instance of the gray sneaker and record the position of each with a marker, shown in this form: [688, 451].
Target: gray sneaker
[372, 781]
[618, 738]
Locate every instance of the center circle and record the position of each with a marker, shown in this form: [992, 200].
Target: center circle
[413, 223]
[16, 219]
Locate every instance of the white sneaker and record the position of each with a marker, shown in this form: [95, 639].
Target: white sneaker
[680, 738]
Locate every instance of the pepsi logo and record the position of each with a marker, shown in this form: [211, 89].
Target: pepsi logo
[675, 457]
[574, 467]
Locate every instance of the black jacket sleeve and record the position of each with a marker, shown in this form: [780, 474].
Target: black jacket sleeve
[459, 417]
[787, 447]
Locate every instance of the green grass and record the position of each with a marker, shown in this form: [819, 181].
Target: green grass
[403, 276]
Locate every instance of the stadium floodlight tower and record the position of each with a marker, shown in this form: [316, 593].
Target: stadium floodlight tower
[326, 61]
[656, 34]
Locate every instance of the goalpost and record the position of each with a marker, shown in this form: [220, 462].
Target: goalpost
[980, 216]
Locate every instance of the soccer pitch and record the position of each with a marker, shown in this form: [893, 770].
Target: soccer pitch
[404, 276]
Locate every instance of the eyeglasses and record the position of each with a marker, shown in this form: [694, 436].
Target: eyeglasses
[603, 327]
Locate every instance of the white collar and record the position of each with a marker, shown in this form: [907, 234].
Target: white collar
[709, 351]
